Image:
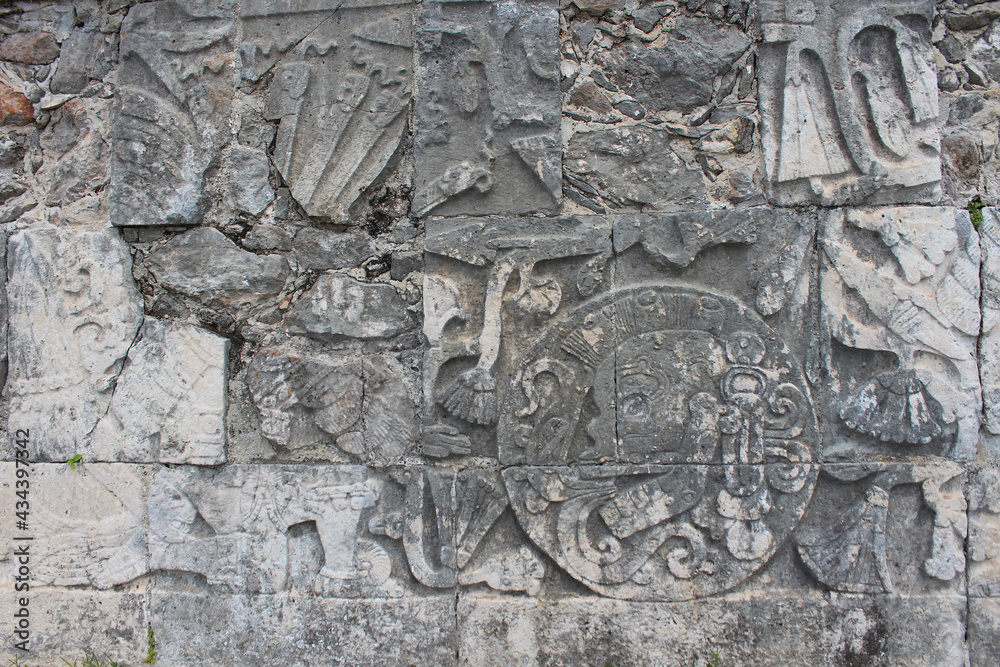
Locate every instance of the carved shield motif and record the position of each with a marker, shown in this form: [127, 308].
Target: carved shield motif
[708, 421]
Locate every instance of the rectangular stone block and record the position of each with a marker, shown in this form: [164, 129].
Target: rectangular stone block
[740, 630]
[487, 109]
[289, 629]
[73, 313]
[87, 527]
[899, 324]
[171, 111]
[341, 91]
[849, 103]
[983, 492]
[66, 624]
[989, 342]
[984, 631]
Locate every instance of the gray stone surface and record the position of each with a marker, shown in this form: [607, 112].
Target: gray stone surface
[984, 630]
[205, 263]
[249, 184]
[342, 85]
[851, 119]
[171, 110]
[903, 282]
[313, 631]
[86, 55]
[989, 342]
[88, 524]
[338, 306]
[340, 406]
[321, 249]
[740, 630]
[73, 313]
[487, 109]
[169, 404]
[983, 494]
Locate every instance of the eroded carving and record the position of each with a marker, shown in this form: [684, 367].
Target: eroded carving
[169, 404]
[341, 88]
[73, 313]
[698, 381]
[488, 108]
[359, 404]
[849, 553]
[989, 342]
[171, 111]
[906, 281]
[849, 102]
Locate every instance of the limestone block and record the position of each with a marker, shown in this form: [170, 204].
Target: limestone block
[635, 168]
[67, 623]
[205, 263]
[30, 48]
[88, 525]
[272, 528]
[338, 306]
[171, 111]
[487, 109]
[73, 313]
[989, 342]
[249, 184]
[984, 531]
[849, 103]
[742, 630]
[322, 249]
[679, 74]
[170, 401]
[900, 317]
[85, 55]
[344, 409]
[342, 86]
[290, 629]
[877, 528]
[984, 631]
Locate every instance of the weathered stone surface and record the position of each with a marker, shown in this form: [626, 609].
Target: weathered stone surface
[169, 404]
[633, 168]
[901, 281]
[878, 528]
[338, 306]
[73, 312]
[171, 110]
[984, 531]
[67, 623]
[415, 631]
[205, 263]
[309, 401]
[322, 249]
[88, 525]
[86, 55]
[487, 110]
[342, 84]
[250, 184]
[678, 76]
[741, 630]
[267, 237]
[984, 631]
[15, 108]
[849, 103]
[77, 152]
[271, 528]
[989, 342]
[30, 48]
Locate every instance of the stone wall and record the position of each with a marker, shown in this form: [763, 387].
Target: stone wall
[501, 332]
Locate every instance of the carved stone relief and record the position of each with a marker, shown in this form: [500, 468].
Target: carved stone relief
[989, 342]
[901, 284]
[171, 110]
[73, 312]
[488, 108]
[849, 103]
[340, 92]
[341, 408]
[169, 404]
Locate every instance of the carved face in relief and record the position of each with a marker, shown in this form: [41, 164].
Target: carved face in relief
[657, 375]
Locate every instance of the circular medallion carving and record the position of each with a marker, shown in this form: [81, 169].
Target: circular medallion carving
[658, 443]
